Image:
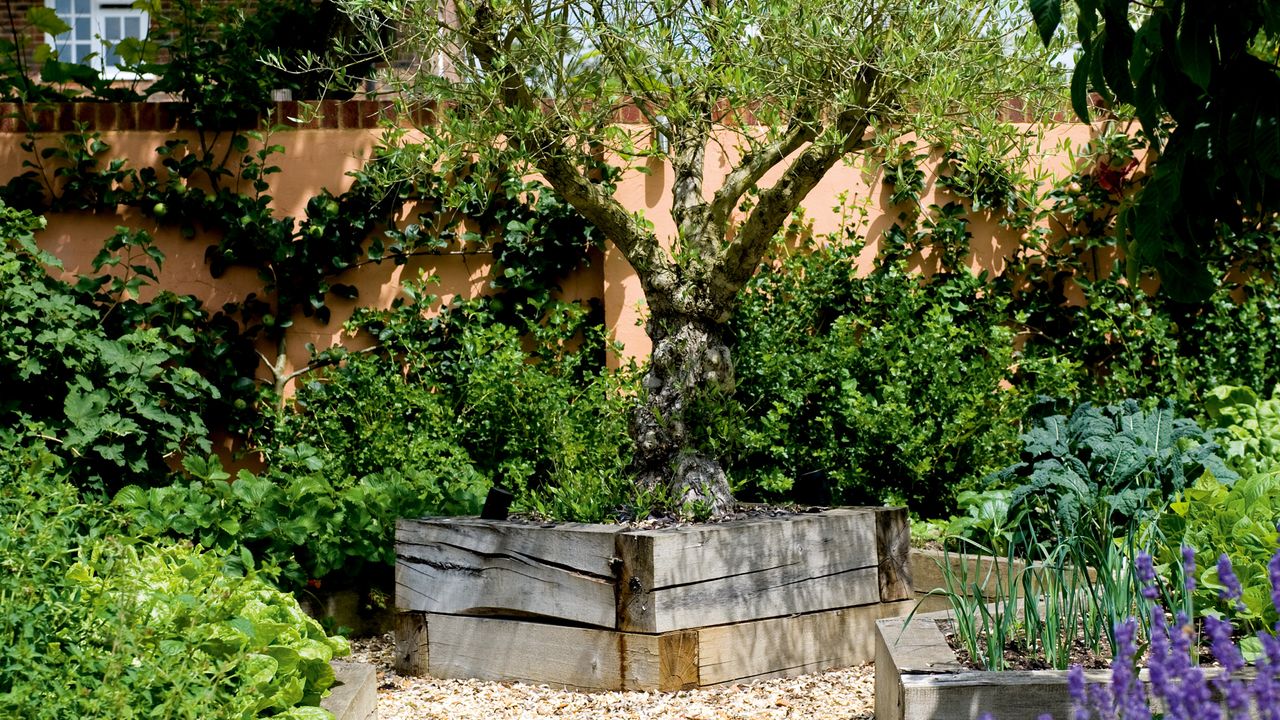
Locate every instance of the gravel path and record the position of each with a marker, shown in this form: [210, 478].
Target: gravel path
[834, 695]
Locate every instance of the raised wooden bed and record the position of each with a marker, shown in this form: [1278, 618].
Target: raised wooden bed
[927, 575]
[919, 677]
[602, 608]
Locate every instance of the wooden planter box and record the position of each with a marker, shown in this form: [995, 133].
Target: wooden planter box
[354, 695]
[927, 575]
[600, 607]
[919, 677]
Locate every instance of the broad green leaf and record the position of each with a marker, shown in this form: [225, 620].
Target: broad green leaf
[1080, 88]
[46, 20]
[1047, 15]
[1195, 48]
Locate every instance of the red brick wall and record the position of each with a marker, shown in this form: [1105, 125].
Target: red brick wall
[19, 19]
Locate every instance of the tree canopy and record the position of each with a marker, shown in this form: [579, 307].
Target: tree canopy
[787, 88]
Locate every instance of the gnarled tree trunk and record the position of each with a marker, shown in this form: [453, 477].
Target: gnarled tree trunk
[691, 363]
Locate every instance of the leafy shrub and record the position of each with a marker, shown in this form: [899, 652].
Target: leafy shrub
[862, 389]
[118, 394]
[1131, 344]
[216, 55]
[449, 406]
[1249, 428]
[96, 625]
[305, 513]
[538, 414]
[1238, 518]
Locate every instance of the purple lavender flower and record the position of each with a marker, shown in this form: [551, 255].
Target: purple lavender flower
[1273, 572]
[1228, 655]
[1225, 651]
[1176, 680]
[1102, 702]
[1078, 692]
[1147, 576]
[1265, 689]
[1271, 649]
[1158, 655]
[1230, 591]
[1129, 697]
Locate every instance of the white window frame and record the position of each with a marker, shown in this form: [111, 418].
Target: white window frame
[100, 11]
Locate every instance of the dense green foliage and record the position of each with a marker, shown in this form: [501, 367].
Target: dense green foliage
[1130, 344]
[538, 414]
[1220, 515]
[104, 373]
[862, 389]
[1107, 467]
[424, 429]
[1203, 79]
[224, 60]
[1093, 488]
[96, 625]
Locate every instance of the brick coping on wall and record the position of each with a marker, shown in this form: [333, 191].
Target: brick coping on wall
[171, 116]
[306, 115]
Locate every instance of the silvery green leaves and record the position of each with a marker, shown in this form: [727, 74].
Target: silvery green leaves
[1109, 464]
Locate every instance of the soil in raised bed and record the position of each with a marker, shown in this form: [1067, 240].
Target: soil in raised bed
[1017, 656]
[741, 511]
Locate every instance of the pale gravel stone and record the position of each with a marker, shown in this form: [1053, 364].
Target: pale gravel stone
[845, 694]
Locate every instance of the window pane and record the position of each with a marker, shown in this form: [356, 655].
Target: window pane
[82, 7]
[111, 28]
[81, 52]
[63, 8]
[133, 27]
[83, 29]
[109, 57]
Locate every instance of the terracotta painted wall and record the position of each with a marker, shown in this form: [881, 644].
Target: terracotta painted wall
[850, 194]
[338, 140]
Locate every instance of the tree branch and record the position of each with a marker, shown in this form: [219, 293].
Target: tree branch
[776, 203]
[550, 154]
[752, 167]
[688, 152]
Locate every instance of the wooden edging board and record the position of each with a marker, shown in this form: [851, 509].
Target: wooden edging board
[354, 695]
[919, 677]
[454, 646]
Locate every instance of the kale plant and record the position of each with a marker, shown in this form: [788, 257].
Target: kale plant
[1105, 467]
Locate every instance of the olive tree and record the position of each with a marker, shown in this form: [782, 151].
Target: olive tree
[785, 88]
